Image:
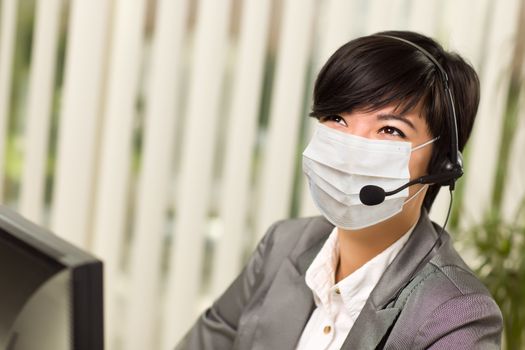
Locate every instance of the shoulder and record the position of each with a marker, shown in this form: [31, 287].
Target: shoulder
[447, 304]
[289, 239]
[296, 235]
[449, 276]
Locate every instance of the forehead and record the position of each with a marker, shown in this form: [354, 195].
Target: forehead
[415, 113]
[410, 106]
[412, 118]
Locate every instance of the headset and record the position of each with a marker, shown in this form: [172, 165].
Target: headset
[452, 167]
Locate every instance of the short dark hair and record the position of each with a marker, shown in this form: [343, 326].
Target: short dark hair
[372, 72]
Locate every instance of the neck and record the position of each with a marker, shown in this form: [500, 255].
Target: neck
[357, 247]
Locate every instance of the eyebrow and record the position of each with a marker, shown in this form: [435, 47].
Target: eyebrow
[390, 116]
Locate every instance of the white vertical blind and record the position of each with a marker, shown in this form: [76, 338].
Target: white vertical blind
[242, 127]
[385, 15]
[7, 47]
[486, 135]
[336, 29]
[467, 40]
[41, 80]
[514, 191]
[116, 143]
[196, 167]
[79, 120]
[424, 16]
[515, 187]
[142, 319]
[285, 114]
[336, 32]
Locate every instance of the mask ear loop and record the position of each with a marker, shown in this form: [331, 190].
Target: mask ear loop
[415, 194]
[426, 143]
[415, 149]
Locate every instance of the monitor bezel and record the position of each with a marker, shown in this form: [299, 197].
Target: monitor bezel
[86, 274]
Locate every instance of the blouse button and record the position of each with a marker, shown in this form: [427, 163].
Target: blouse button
[337, 291]
[327, 329]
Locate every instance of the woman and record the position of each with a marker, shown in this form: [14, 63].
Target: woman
[394, 109]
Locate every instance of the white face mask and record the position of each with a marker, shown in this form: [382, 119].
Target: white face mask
[338, 165]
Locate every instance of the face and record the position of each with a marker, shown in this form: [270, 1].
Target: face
[387, 124]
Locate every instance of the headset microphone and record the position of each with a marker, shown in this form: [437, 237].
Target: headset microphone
[374, 195]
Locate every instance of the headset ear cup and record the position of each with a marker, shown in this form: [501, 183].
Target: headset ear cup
[451, 171]
[446, 166]
[443, 173]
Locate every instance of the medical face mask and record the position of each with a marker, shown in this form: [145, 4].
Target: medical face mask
[338, 165]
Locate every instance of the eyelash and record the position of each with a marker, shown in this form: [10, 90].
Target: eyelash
[337, 119]
[333, 118]
[393, 130]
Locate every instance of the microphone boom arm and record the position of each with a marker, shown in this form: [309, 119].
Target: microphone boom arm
[428, 179]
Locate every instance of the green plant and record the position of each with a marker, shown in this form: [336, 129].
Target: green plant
[500, 244]
[499, 240]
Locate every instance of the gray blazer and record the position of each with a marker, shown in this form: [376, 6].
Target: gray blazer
[444, 306]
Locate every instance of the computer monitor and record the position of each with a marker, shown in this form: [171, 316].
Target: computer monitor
[50, 291]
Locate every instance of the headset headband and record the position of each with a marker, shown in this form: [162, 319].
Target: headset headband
[455, 154]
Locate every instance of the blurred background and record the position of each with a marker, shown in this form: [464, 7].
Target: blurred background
[165, 136]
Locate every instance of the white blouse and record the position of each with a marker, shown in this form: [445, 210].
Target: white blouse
[338, 305]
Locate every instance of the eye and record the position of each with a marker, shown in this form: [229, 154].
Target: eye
[390, 130]
[334, 118]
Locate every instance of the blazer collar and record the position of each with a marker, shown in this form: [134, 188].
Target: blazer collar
[285, 311]
[289, 302]
[397, 273]
[379, 313]
[404, 265]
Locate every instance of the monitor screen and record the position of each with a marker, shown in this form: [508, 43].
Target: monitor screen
[50, 291]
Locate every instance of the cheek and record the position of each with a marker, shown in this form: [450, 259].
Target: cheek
[417, 167]
[419, 161]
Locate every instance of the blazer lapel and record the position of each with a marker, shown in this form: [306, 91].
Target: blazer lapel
[370, 328]
[288, 304]
[379, 313]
